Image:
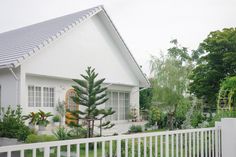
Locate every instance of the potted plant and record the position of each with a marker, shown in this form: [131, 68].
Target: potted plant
[133, 115]
[33, 118]
[43, 120]
[56, 120]
[60, 108]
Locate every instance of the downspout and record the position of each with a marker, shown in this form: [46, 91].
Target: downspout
[17, 84]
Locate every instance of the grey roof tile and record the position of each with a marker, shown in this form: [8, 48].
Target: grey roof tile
[17, 44]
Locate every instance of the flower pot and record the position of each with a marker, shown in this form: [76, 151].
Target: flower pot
[42, 128]
[56, 124]
[32, 126]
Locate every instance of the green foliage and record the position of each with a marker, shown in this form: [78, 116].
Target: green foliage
[217, 62]
[162, 123]
[62, 133]
[90, 94]
[56, 118]
[33, 138]
[43, 118]
[145, 98]
[227, 94]
[197, 118]
[135, 129]
[32, 117]
[60, 108]
[77, 130]
[181, 110]
[222, 114]
[154, 115]
[12, 124]
[170, 80]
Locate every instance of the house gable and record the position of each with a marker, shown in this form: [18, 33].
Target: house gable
[87, 44]
[31, 40]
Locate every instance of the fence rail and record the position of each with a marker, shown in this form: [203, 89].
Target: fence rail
[204, 142]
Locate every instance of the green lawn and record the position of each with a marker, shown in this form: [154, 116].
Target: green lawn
[28, 153]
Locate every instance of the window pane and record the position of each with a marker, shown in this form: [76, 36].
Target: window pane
[51, 97]
[121, 106]
[108, 105]
[119, 102]
[115, 105]
[31, 96]
[38, 96]
[48, 97]
[127, 105]
[72, 106]
[45, 97]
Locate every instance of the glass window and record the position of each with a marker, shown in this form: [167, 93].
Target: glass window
[119, 102]
[38, 96]
[72, 106]
[31, 96]
[48, 97]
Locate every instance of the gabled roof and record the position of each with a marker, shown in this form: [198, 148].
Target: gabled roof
[20, 44]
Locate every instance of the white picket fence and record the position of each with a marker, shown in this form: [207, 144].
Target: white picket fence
[204, 142]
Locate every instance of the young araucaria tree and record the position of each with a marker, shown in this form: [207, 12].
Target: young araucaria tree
[91, 94]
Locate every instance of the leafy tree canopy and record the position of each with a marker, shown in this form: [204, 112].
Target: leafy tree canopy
[217, 61]
[170, 80]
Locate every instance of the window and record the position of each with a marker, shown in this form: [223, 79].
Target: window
[48, 97]
[31, 96]
[119, 102]
[35, 96]
[71, 105]
[38, 96]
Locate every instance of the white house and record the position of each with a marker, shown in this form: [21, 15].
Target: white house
[38, 63]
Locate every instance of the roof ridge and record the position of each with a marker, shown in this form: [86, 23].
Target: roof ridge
[55, 18]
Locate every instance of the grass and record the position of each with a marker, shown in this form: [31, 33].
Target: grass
[28, 153]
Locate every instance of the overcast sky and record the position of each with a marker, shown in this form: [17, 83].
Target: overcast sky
[146, 26]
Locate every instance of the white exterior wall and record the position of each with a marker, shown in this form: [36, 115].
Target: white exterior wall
[89, 44]
[9, 88]
[61, 86]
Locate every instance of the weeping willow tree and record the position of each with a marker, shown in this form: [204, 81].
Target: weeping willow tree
[170, 80]
[227, 94]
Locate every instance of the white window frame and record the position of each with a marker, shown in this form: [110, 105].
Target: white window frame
[41, 103]
[118, 107]
[49, 103]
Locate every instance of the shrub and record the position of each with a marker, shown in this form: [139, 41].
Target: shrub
[62, 133]
[135, 129]
[222, 114]
[162, 123]
[56, 118]
[154, 115]
[33, 138]
[197, 118]
[12, 124]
